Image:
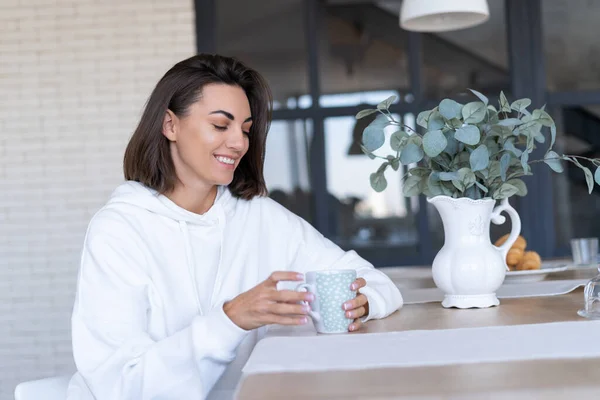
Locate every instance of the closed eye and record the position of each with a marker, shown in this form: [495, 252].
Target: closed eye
[220, 128]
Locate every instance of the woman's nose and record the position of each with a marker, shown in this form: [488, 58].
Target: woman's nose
[236, 139]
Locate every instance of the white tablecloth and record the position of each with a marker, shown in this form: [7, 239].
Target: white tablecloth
[577, 339]
[511, 290]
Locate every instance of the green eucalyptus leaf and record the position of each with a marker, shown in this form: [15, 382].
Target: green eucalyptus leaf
[474, 112]
[411, 154]
[530, 143]
[504, 164]
[597, 175]
[520, 185]
[395, 164]
[492, 108]
[589, 178]
[504, 191]
[466, 179]
[434, 185]
[468, 134]
[493, 147]
[384, 105]
[398, 140]
[539, 137]
[543, 117]
[423, 117]
[509, 146]
[411, 186]
[367, 152]
[483, 99]
[510, 122]
[450, 109]
[480, 158]
[500, 131]
[419, 171]
[552, 135]
[435, 122]
[383, 167]
[448, 176]
[520, 105]
[524, 161]
[455, 123]
[504, 105]
[480, 186]
[365, 113]
[452, 146]
[434, 142]
[378, 181]
[373, 136]
[494, 170]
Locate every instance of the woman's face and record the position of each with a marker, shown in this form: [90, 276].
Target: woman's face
[208, 143]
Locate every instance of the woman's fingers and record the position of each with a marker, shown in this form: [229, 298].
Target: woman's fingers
[289, 309]
[356, 313]
[286, 320]
[279, 276]
[289, 296]
[357, 302]
[357, 284]
[356, 325]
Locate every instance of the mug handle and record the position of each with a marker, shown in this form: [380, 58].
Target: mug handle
[307, 287]
[515, 229]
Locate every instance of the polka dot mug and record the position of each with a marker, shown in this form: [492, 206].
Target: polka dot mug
[331, 289]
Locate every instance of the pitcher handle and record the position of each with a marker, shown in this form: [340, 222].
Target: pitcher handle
[515, 230]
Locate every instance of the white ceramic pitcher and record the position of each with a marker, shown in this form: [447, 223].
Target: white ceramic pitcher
[469, 268]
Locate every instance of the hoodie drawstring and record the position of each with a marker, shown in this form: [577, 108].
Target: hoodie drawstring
[221, 226]
[190, 261]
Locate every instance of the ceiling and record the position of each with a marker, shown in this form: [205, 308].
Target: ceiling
[268, 34]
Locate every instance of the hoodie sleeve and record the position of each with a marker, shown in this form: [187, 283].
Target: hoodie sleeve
[114, 353]
[309, 250]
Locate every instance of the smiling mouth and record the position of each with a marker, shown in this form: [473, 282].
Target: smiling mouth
[225, 160]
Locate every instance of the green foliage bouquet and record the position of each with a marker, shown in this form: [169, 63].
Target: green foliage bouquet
[472, 150]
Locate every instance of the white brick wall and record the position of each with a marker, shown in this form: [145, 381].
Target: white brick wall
[74, 76]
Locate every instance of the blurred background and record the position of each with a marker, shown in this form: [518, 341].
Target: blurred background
[74, 76]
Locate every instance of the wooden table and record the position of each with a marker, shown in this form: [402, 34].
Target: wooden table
[548, 379]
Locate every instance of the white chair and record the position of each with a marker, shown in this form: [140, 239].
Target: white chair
[54, 388]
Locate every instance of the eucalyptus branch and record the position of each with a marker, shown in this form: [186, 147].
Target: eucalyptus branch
[477, 145]
[594, 161]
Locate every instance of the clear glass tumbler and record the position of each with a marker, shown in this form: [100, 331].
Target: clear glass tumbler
[591, 296]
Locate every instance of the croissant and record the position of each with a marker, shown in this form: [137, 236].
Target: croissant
[520, 243]
[514, 257]
[530, 260]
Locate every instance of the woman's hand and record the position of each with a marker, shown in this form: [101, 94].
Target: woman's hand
[357, 307]
[264, 304]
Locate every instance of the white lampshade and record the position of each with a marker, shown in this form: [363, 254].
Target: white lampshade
[442, 15]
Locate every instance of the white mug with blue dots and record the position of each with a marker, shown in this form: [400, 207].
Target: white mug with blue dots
[331, 289]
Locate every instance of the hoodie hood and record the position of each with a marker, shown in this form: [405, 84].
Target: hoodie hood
[135, 194]
[138, 195]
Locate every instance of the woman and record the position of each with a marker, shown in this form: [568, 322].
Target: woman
[180, 268]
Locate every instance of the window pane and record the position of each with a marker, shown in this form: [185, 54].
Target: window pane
[269, 36]
[379, 226]
[286, 166]
[571, 44]
[362, 50]
[475, 58]
[576, 212]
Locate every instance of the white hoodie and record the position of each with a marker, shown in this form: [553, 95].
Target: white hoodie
[148, 320]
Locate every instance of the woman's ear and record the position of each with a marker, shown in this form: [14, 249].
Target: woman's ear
[169, 127]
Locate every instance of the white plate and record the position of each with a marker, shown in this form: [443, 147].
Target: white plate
[534, 275]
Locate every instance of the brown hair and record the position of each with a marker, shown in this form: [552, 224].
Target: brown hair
[148, 158]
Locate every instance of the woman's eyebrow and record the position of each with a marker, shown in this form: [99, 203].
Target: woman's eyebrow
[229, 115]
